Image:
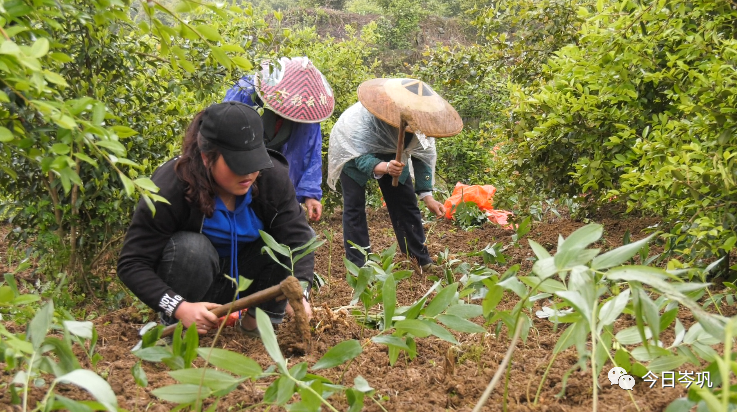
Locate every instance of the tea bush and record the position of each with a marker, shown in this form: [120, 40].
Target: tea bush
[642, 108]
[465, 76]
[92, 103]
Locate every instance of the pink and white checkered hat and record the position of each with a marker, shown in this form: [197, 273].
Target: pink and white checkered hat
[295, 90]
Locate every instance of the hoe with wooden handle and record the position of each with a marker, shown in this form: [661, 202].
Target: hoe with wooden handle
[284, 290]
[400, 146]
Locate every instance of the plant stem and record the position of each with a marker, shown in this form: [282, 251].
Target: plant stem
[592, 325]
[365, 319]
[73, 225]
[378, 404]
[309, 388]
[502, 367]
[632, 398]
[506, 386]
[48, 394]
[57, 205]
[517, 332]
[716, 305]
[28, 382]
[175, 16]
[212, 346]
[545, 375]
[104, 249]
[724, 368]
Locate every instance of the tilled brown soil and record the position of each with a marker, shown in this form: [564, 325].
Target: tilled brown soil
[441, 377]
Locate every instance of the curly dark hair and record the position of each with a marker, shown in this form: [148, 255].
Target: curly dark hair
[199, 187]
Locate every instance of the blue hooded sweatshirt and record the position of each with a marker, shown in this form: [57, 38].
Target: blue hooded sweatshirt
[227, 230]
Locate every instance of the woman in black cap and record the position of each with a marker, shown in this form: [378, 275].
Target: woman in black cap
[222, 190]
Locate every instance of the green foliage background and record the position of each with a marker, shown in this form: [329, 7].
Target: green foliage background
[641, 108]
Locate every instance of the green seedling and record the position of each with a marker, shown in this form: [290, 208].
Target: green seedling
[711, 397]
[400, 327]
[228, 370]
[593, 290]
[521, 229]
[35, 355]
[290, 256]
[329, 238]
[468, 216]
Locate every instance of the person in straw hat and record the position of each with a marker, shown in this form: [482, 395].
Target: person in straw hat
[295, 97]
[365, 144]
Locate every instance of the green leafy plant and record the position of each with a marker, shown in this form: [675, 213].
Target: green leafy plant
[368, 282]
[713, 399]
[229, 369]
[593, 284]
[467, 215]
[466, 76]
[728, 296]
[493, 254]
[13, 302]
[541, 208]
[179, 355]
[477, 280]
[195, 385]
[521, 229]
[376, 282]
[313, 389]
[291, 256]
[527, 33]
[447, 263]
[29, 356]
[591, 292]
[652, 128]
[288, 256]
[95, 96]
[400, 25]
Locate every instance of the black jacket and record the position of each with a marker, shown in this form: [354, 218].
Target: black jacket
[276, 206]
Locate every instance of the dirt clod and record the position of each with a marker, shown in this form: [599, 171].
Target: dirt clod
[293, 290]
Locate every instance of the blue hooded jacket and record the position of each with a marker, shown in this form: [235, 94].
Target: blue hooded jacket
[303, 149]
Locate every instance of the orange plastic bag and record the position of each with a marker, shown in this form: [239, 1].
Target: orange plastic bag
[483, 196]
[500, 217]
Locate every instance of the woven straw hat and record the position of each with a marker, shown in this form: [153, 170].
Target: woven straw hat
[296, 90]
[423, 109]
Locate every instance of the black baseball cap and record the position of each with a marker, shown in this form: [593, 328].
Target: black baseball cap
[237, 130]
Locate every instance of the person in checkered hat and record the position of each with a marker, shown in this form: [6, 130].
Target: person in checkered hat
[295, 98]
